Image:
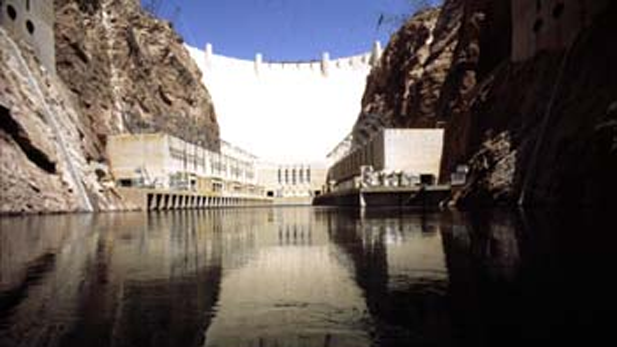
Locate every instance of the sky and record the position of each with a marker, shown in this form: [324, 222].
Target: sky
[286, 30]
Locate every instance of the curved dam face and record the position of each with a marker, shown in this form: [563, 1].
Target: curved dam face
[285, 112]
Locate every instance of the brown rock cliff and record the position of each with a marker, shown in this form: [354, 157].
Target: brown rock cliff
[118, 70]
[538, 131]
[131, 73]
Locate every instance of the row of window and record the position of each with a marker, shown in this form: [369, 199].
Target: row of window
[294, 176]
[218, 166]
[12, 13]
[557, 12]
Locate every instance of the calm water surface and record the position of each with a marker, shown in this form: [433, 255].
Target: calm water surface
[307, 277]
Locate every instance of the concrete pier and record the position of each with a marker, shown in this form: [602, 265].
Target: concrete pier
[416, 196]
[167, 200]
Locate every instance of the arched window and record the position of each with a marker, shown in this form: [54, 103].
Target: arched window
[27, 5]
[10, 10]
[30, 27]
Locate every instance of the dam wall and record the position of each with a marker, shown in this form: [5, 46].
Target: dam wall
[286, 112]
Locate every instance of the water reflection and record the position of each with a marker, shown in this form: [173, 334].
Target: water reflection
[536, 277]
[305, 277]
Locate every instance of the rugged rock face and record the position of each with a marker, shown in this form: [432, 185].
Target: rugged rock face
[119, 70]
[43, 165]
[547, 123]
[404, 88]
[130, 72]
[541, 131]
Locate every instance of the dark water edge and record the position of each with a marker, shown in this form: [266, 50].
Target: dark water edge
[308, 277]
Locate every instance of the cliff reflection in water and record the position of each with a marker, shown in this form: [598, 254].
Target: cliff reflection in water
[305, 277]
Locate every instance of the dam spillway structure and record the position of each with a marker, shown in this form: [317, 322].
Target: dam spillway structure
[293, 111]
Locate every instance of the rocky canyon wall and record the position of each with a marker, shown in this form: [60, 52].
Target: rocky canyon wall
[118, 70]
[130, 71]
[536, 131]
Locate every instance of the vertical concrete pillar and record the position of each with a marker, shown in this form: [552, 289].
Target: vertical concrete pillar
[376, 53]
[208, 55]
[258, 62]
[325, 63]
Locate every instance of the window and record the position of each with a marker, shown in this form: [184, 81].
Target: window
[293, 177]
[286, 176]
[11, 12]
[125, 183]
[301, 178]
[308, 175]
[280, 176]
[538, 5]
[30, 27]
[28, 5]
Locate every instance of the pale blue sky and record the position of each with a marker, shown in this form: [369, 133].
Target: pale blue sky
[286, 29]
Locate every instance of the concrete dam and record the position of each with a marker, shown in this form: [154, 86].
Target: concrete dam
[262, 105]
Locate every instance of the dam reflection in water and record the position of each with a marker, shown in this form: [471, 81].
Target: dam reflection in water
[305, 277]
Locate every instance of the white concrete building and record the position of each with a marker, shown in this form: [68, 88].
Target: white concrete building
[163, 161]
[410, 152]
[292, 180]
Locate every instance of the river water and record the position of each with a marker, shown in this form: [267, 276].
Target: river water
[307, 277]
